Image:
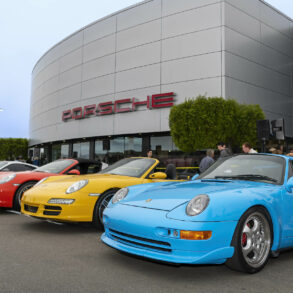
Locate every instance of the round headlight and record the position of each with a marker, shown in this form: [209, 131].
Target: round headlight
[119, 195]
[7, 178]
[197, 205]
[77, 186]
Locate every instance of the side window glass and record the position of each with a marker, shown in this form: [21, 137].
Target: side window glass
[15, 167]
[290, 169]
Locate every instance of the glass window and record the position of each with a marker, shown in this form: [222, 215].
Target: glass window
[65, 151]
[56, 152]
[100, 153]
[269, 169]
[133, 146]
[55, 167]
[81, 150]
[133, 167]
[161, 145]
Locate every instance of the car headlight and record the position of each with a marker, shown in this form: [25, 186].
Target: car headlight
[197, 205]
[61, 200]
[119, 195]
[41, 181]
[7, 178]
[77, 186]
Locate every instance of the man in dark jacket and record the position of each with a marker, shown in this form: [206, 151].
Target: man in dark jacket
[224, 151]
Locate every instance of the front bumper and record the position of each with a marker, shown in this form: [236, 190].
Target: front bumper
[79, 211]
[148, 233]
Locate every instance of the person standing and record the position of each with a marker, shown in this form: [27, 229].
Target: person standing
[207, 161]
[247, 149]
[149, 154]
[224, 151]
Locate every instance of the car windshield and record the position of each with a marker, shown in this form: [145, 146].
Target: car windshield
[263, 168]
[3, 163]
[133, 167]
[55, 167]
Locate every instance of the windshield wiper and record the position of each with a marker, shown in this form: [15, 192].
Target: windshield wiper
[248, 177]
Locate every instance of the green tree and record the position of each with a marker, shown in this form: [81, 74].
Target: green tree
[202, 122]
[11, 148]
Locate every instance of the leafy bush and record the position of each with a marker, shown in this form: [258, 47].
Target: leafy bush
[11, 148]
[202, 122]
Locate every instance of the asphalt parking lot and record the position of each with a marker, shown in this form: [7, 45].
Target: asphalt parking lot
[37, 256]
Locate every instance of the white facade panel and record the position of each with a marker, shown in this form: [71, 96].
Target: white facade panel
[197, 43]
[70, 60]
[70, 77]
[69, 95]
[146, 121]
[275, 20]
[193, 20]
[255, 74]
[210, 87]
[139, 56]
[242, 22]
[198, 67]
[100, 29]
[175, 6]
[96, 87]
[99, 48]
[139, 14]
[98, 67]
[250, 7]
[138, 78]
[139, 35]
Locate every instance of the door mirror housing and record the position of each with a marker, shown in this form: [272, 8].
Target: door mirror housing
[74, 172]
[195, 176]
[289, 185]
[158, 175]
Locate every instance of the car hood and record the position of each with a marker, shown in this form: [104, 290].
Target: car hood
[171, 195]
[59, 184]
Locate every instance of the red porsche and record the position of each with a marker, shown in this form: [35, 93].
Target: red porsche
[13, 185]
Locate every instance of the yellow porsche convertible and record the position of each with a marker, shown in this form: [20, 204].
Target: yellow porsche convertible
[84, 198]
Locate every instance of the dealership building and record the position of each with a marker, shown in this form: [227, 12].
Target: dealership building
[106, 90]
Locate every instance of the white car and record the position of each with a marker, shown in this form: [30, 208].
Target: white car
[15, 166]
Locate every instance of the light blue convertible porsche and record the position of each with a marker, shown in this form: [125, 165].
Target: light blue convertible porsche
[238, 212]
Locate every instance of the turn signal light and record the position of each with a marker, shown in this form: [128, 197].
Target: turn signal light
[195, 235]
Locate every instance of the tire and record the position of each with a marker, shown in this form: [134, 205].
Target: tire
[252, 241]
[101, 204]
[19, 193]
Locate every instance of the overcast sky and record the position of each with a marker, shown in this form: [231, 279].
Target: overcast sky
[28, 28]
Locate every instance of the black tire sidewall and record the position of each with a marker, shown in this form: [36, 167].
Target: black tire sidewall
[237, 262]
[96, 219]
[19, 193]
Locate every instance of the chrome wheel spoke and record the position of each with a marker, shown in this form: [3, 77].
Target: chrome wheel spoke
[258, 243]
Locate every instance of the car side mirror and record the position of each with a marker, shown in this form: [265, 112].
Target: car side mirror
[74, 172]
[289, 184]
[158, 175]
[195, 176]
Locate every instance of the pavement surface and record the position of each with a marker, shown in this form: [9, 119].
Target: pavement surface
[38, 256]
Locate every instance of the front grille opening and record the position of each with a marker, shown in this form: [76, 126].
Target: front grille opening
[30, 209]
[141, 238]
[52, 213]
[140, 241]
[143, 245]
[55, 208]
